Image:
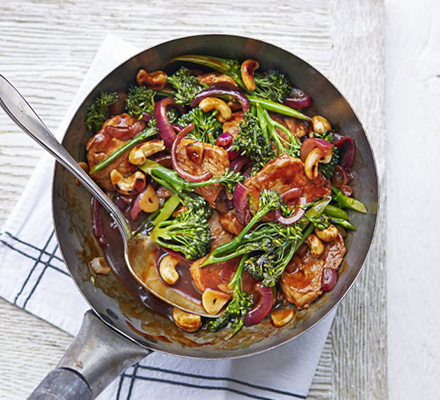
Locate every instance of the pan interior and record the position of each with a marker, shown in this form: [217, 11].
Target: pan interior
[72, 216]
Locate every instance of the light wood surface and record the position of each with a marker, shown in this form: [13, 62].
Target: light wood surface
[46, 48]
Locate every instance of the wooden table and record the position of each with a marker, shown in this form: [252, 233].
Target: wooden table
[46, 48]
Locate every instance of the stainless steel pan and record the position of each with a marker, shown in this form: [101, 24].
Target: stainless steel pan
[114, 335]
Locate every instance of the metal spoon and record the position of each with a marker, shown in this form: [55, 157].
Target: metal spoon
[135, 248]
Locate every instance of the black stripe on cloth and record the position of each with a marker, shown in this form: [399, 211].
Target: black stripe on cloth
[120, 384]
[217, 378]
[194, 386]
[133, 378]
[31, 245]
[46, 266]
[31, 272]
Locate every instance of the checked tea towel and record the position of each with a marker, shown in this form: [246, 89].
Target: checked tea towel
[33, 277]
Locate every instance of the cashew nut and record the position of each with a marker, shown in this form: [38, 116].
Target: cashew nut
[212, 103]
[316, 246]
[154, 80]
[167, 269]
[311, 163]
[327, 235]
[130, 185]
[247, 74]
[282, 317]
[186, 321]
[320, 124]
[139, 154]
[85, 168]
[99, 266]
[213, 300]
[149, 201]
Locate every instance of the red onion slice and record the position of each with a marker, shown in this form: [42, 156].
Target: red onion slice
[241, 204]
[311, 143]
[296, 216]
[238, 163]
[262, 308]
[347, 151]
[329, 279]
[166, 131]
[221, 90]
[224, 139]
[340, 177]
[298, 99]
[125, 132]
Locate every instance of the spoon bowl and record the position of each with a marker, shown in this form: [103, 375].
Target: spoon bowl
[135, 247]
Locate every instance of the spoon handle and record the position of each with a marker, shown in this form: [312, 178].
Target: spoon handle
[25, 117]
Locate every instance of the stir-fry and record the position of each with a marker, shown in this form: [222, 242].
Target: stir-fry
[242, 192]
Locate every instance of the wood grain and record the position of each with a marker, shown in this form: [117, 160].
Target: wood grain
[46, 48]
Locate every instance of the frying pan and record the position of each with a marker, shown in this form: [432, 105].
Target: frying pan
[120, 331]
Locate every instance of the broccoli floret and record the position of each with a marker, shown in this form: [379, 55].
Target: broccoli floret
[98, 111]
[206, 127]
[140, 100]
[273, 85]
[189, 233]
[254, 143]
[272, 246]
[187, 86]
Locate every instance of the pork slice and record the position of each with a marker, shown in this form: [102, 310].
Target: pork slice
[232, 125]
[102, 145]
[302, 286]
[217, 276]
[215, 160]
[284, 173]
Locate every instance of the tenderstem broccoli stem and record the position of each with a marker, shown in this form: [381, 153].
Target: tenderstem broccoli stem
[167, 209]
[230, 246]
[145, 134]
[277, 107]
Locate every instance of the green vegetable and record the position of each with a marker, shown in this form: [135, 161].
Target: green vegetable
[342, 222]
[273, 86]
[292, 146]
[347, 202]
[269, 200]
[277, 107]
[140, 100]
[98, 111]
[238, 307]
[171, 179]
[188, 233]
[270, 247]
[206, 127]
[149, 131]
[187, 86]
[336, 212]
[223, 65]
[254, 142]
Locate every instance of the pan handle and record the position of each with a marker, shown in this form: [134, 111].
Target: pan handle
[95, 358]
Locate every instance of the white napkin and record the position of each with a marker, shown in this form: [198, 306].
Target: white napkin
[33, 276]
